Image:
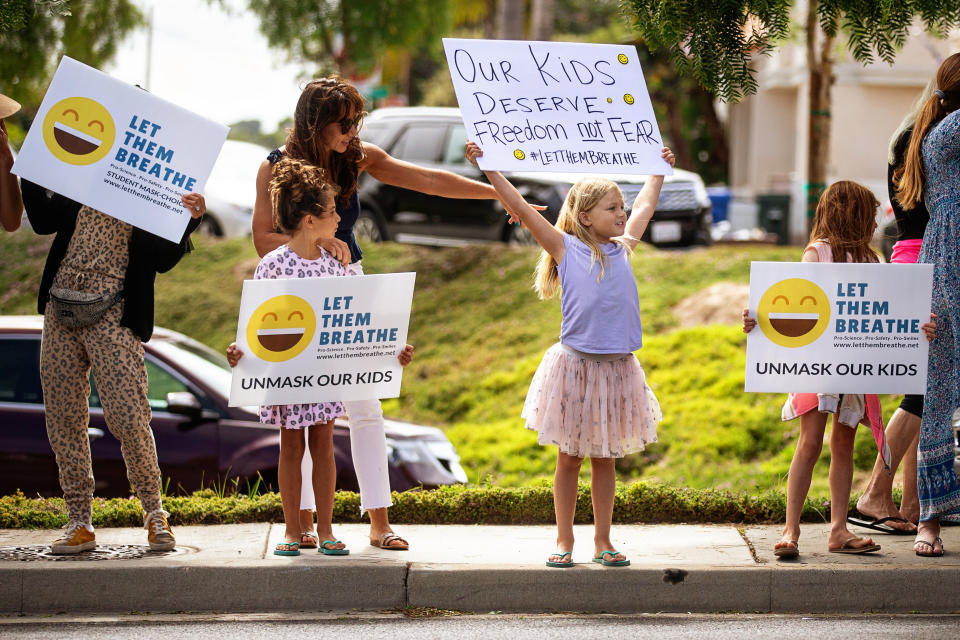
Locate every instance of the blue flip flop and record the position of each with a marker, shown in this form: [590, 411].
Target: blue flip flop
[561, 564]
[292, 549]
[611, 563]
[332, 552]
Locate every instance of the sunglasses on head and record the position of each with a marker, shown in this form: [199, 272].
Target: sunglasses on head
[349, 123]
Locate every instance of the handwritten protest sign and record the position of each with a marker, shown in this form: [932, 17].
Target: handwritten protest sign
[321, 339]
[556, 106]
[118, 149]
[838, 328]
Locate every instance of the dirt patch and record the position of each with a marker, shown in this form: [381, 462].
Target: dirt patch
[244, 269]
[720, 303]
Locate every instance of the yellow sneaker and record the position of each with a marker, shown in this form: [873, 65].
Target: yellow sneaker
[75, 539]
[159, 534]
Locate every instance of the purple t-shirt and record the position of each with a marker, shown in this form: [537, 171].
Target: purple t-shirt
[598, 317]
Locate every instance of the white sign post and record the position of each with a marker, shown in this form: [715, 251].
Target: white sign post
[321, 339]
[118, 149]
[838, 328]
[556, 106]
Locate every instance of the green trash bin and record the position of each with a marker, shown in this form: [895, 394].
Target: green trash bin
[773, 215]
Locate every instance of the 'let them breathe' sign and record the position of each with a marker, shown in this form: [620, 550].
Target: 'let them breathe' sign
[119, 149]
[838, 328]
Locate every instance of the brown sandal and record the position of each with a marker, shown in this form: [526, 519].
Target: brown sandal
[309, 540]
[846, 547]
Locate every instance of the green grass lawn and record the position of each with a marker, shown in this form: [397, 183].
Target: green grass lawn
[479, 331]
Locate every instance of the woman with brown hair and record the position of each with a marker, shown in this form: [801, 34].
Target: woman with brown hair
[931, 173]
[325, 130]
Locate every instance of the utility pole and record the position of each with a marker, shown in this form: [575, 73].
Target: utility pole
[146, 75]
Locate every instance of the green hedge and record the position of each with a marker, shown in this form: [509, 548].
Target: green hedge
[640, 502]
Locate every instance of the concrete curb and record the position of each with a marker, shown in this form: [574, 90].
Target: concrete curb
[483, 588]
[676, 568]
[114, 589]
[699, 590]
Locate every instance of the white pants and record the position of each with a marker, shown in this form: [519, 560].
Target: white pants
[368, 445]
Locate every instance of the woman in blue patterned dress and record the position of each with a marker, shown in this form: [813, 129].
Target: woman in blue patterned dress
[932, 173]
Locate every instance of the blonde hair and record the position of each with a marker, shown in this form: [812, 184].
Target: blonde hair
[910, 177]
[909, 120]
[583, 196]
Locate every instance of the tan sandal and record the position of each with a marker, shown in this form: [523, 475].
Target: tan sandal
[846, 547]
[388, 540]
[787, 552]
[309, 540]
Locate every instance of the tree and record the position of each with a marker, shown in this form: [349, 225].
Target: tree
[511, 23]
[15, 13]
[715, 43]
[349, 37]
[34, 34]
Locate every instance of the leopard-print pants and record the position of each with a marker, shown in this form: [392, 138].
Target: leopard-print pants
[115, 355]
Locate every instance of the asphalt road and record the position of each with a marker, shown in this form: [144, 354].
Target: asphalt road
[396, 626]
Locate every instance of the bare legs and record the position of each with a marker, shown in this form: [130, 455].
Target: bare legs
[903, 433]
[603, 485]
[841, 479]
[602, 488]
[320, 441]
[812, 427]
[288, 476]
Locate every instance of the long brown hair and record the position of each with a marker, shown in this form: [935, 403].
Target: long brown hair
[909, 179]
[846, 217]
[583, 196]
[324, 101]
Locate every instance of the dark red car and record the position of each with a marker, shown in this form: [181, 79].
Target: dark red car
[200, 440]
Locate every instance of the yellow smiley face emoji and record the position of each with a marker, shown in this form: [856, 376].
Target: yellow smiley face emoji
[281, 328]
[519, 154]
[78, 131]
[623, 59]
[793, 312]
[628, 98]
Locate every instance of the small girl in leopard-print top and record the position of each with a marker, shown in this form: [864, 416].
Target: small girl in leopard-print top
[304, 204]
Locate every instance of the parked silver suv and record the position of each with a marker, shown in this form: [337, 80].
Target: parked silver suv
[435, 137]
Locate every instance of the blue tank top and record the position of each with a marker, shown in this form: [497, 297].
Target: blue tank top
[348, 216]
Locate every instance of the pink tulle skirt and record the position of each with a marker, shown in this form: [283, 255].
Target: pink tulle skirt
[591, 408]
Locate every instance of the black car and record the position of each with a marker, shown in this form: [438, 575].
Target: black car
[434, 137]
[201, 441]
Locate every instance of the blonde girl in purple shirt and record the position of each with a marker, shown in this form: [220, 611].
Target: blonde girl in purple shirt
[589, 396]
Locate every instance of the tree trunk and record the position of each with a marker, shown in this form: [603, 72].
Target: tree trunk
[490, 21]
[678, 141]
[343, 57]
[541, 20]
[821, 82]
[719, 151]
[510, 19]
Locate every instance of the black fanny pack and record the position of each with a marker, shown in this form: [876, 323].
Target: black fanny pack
[78, 309]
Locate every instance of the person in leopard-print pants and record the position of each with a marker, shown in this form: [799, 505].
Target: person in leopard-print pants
[96, 253]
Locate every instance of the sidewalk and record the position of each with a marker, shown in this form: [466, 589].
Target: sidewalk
[675, 568]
